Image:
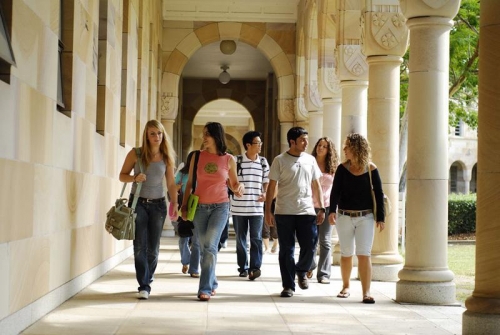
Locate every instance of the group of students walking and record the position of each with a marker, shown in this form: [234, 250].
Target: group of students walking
[300, 197]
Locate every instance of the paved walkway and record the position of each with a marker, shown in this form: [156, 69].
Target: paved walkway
[109, 305]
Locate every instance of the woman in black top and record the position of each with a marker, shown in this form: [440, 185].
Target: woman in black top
[351, 197]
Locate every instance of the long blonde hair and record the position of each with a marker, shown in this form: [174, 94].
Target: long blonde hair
[166, 148]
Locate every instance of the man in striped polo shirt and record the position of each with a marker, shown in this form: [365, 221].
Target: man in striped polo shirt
[247, 211]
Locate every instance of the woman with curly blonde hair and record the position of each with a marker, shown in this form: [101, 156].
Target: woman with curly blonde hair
[351, 198]
[327, 159]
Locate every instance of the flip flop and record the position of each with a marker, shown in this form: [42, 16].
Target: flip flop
[368, 300]
[343, 294]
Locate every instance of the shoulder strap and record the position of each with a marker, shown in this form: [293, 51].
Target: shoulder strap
[262, 162]
[139, 186]
[195, 167]
[239, 159]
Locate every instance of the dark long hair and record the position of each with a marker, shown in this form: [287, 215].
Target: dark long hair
[216, 131]
[331, 159]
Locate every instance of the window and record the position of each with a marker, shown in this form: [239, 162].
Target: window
[6, 53]
[100, 56]
[459, 129]
[65, 62]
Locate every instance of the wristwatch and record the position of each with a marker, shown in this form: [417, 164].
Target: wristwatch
[322, 209]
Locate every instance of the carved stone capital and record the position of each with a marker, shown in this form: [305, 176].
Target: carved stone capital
[301, 112]
[384, 32]
[168, 106]
[352, 63]
[314, 99]
[425, 8]
[286, 110]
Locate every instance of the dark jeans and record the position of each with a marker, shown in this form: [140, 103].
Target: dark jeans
[304, 228]
[148, 227]
[241, 225]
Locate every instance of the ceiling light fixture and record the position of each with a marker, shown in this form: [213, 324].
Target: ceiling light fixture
[224, 76]
[227, 47]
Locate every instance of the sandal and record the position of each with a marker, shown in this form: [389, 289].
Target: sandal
[368, 300]
[343, 293]
[204, 297]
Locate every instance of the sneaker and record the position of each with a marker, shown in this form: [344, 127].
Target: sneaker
[224, 245]
[143, 295]
[195, 275]
[254, 274]
[324, 281]
[303, 283]
[244, 274]
[185, 269]
[286, 293]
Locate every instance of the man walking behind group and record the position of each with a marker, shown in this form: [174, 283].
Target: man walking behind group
[297, 176]
[247, 211]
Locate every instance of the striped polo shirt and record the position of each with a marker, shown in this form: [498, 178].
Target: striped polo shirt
[253, 174]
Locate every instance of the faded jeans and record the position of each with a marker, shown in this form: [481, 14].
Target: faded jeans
[148, 227]
[209, 222]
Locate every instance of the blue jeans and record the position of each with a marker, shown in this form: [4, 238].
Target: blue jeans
[241, 225]
[148, 227]
[304, 228]
[324, 264]
[225, 234]
[209, 222]
[190, 256]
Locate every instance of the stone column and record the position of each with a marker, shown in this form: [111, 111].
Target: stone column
[285, 127]
[354, 107]
[315, 128]
[483, 307]
[425, 277]
[168, 228]
[383, 134]
[385, 41]
[332, 116]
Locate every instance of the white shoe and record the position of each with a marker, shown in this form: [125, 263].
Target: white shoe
[143, 295]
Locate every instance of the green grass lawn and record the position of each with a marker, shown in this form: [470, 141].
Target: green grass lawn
[461, 260]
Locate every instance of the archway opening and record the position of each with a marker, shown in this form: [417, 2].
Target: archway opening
[233, 116]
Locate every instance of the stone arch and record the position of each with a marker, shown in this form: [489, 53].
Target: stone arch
[473, 179]
[311, 93]
[328, 80]
[457, 177]
[218, 31]
[198, 92]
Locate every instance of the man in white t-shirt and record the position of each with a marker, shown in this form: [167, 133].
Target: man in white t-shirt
[247, 211]
[296, 174]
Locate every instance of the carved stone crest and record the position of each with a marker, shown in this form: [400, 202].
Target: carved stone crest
[354, 60]
[388, 29]
[435, 3]
[168, 106]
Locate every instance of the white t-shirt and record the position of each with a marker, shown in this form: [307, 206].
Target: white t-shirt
[294, 176]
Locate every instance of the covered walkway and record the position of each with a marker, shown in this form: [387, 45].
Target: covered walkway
[109, 305]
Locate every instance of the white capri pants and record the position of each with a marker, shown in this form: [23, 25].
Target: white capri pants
[359, 230]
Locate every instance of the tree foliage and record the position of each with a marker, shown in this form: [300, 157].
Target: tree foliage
[464, 57]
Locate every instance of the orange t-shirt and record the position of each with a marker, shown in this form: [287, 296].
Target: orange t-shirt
[212, 173]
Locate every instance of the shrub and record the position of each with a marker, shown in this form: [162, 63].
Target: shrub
[461, 213]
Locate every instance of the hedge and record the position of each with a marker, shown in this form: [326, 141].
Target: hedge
[461, 213]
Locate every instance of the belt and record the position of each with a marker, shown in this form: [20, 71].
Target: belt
[151, 201]
[355, 213]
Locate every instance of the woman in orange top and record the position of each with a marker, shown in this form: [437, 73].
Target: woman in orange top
[214, 168]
